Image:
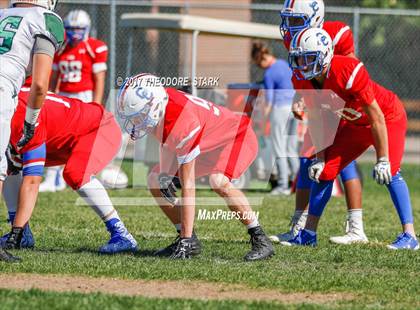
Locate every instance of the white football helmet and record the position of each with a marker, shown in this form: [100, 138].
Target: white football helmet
[311, 51]
[142, 102]
[297, 15]
[48, 4]
[77, 24]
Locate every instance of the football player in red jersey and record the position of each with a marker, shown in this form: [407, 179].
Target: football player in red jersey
[79, 71]
[85, 145]
[298, 15]
[197, 138]
[372, 115]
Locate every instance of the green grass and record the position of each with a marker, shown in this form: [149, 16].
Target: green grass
[67, 237]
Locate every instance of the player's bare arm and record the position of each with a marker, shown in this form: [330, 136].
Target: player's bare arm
[187, 176]
[379, 132]
[99, 87]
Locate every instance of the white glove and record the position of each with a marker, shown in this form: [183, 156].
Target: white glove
[382, 171]
[315, 169]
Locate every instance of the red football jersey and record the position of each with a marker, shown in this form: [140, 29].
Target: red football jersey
[339, 32]
[61, 122]
[77, 65]
[194, 126]
[349, 79]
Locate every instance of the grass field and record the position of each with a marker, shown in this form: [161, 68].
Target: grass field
[361, 276]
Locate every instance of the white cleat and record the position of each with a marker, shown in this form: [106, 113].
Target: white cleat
[354, 234]
[278, 191]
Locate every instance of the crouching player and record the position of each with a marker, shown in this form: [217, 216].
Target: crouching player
[197, 138]
[82, 137]
[372, 115]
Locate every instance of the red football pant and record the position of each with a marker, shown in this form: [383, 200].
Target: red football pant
[93, 152]
[352, 141]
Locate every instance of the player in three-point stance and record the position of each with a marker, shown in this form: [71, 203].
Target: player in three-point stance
[79, 71]
[372, 115]
[85, 145]
[31, 33]
[298, 15]
[197, 138]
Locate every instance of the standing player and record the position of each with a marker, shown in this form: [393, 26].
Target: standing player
[79, 71]
[86, 143]
[372, 115]
[198, 138]
[30, 34]
[296, 16]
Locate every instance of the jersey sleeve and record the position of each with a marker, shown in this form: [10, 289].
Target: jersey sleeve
[184, 139]
[359, 84]
[101, 57]
[53, 29]
[55, 66]
[343, 41]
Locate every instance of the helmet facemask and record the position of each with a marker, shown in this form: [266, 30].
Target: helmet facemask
[306, 65]
[293, 22]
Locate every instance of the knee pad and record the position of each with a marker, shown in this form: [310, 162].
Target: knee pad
[349, 172]
[303, 180]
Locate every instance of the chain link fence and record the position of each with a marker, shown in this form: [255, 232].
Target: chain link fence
[386, 41]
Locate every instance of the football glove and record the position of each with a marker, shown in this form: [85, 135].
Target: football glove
[168, 188]
[382, 171]
[315, 169]
[28, 134]
[14, 161]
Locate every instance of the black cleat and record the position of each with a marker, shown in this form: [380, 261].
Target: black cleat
[262, 248]
[14, 239]
[186, 248]
[170, 249]
[7, 257]
[167, 251]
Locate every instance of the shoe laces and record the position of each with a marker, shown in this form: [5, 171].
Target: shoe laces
[258, 241]
[181, 249]
[402, 238]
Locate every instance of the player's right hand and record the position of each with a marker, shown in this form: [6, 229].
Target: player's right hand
[28, 134]
[315, 169]
[298, 109]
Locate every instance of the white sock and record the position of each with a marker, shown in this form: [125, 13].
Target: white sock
[11, 189]
[355, 213]
[97, 198]
[178, 227]
[253, 224]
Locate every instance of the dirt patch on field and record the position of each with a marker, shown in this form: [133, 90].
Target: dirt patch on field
[161, 289]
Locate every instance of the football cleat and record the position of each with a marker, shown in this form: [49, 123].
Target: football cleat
[185, 249]
[262, 248]
[121, 240]
[404, 241]
[28, 241]
[297, 223]
[354, 234]
[303, 238]
[7, 257]
[170, 249]
[279, 191]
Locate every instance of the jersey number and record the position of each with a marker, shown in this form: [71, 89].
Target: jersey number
[8, 29]
[203, 103]
[71, 71]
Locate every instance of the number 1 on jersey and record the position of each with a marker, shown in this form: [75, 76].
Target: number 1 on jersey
[8, 29]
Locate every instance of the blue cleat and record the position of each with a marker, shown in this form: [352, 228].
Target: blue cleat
[121, 240]
[404, 241]
[303, 238]
[28, 241]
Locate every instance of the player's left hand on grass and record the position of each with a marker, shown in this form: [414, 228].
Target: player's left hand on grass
[28, 133]
[382, 171]
[315, 169]
[168, 188]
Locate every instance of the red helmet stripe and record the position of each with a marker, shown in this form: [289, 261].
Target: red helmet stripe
[300, 36]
